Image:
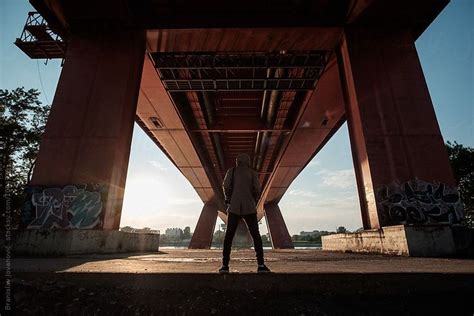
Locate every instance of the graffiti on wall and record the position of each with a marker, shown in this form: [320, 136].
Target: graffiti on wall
[419, 202]
[68, 207]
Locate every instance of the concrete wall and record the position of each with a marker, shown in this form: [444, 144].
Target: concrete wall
[419, 241]
[65, 242]
[430, 241]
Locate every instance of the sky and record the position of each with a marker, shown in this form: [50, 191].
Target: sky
[324, 195]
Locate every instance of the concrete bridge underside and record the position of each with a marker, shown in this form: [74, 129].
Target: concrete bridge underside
[207, 81]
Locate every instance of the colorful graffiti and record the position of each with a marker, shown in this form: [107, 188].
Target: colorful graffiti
[68, 207]
[419, 202]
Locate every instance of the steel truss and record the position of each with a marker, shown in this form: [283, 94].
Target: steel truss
[227, 72]
[38, 41]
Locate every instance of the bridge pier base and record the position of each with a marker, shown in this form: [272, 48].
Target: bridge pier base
[64, 242]
[416, 241]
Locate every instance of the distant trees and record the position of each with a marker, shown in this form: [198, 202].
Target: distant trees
[314, 236]
[187, 232]
[218, 237]
[341, 230]
[127, 229]
[462, 164]
[22, 123]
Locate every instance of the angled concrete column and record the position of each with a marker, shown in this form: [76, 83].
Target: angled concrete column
[279, 235]
[402, 168]
[202, 236]
[80, 173]
[242, 238]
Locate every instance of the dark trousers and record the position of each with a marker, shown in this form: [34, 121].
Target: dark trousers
[252, 225]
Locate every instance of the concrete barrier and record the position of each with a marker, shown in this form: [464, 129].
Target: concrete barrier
[417, 241]
[66, 242]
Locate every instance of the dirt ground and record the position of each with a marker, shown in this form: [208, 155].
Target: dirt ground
[243, 261]
[46, 297]
[185, 282]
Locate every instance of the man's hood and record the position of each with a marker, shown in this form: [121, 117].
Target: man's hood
[242, 159]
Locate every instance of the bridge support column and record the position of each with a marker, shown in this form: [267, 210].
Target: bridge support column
[400, 160]
[80, 172]
[202, 236]
[279, 235]
[242, 238]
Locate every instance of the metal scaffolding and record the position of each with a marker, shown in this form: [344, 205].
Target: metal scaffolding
[38, 41]
[247, 72]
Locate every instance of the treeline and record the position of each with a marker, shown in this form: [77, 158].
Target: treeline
[311, 238]
[22, 124]
[176, 235]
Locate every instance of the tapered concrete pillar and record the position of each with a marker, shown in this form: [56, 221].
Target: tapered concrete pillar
[202, 236]
[242, 238]
[402, 168]
[80, 172]
[279, 235]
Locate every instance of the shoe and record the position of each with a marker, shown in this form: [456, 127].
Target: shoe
[224, 269]
[263, 269]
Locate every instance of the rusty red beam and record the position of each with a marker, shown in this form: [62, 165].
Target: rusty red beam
[240, 130]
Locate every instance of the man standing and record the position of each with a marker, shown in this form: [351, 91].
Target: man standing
[241, 192]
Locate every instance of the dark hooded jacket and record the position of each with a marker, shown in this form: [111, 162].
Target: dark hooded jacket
[241, 187]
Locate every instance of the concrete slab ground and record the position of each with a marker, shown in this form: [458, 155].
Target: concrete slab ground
[243, 261]
[185, 282]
